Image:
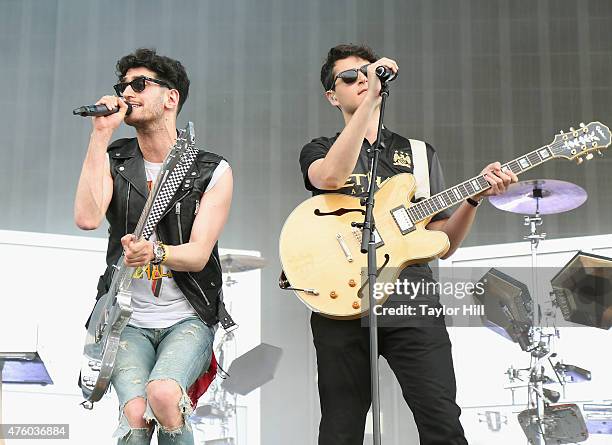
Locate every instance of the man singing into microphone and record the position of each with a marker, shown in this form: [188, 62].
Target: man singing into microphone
[176, 287]
[420, 356]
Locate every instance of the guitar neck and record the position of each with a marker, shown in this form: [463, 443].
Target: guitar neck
[171, 174]
[454, 195]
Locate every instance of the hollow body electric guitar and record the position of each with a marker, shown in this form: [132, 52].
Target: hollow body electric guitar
[320, 249]
[114, 309]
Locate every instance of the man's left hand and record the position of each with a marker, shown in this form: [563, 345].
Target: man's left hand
[137, 252]
[498, 178]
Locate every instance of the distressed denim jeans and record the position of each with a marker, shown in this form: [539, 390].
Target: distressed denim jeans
[181, 352]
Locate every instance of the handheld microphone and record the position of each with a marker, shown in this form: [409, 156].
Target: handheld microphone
[385, 74]
[98, 110]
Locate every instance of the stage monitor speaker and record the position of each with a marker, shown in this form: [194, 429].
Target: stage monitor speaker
[24, 368]
[562, 424]
[583, 290]
[252, 369]
[507, 306]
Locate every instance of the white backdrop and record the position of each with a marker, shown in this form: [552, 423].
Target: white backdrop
[48, 293]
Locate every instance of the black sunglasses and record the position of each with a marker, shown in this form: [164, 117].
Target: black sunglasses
[349, 76]
[138, 84]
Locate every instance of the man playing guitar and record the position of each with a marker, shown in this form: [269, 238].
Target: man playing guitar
[420, 356]
[176, 286]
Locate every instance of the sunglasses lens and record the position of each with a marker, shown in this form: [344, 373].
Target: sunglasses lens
[348, 76]
[138, 84]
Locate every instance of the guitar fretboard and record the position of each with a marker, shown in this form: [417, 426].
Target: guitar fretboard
[454, 195]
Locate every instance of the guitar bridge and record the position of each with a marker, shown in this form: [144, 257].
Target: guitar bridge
[344, 247]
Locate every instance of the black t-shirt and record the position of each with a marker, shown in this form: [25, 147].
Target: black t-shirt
[396, 157]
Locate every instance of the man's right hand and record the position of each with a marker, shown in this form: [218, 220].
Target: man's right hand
[112, 121]
[374, 85]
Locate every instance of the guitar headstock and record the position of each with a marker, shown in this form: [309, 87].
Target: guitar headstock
[186, 136]
[185, 140]
[581, 143]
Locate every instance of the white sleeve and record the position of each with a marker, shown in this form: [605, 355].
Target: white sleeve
[221, 168]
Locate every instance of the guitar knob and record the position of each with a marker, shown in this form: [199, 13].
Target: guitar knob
[589, 156]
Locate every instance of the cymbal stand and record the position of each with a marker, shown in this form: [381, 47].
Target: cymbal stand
[226, 406]
[540, 346]
[221, 408]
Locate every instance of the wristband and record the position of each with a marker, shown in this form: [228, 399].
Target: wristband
[473, 202]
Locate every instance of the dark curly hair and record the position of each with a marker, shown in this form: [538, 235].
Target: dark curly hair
[340, 52]
[170, 70]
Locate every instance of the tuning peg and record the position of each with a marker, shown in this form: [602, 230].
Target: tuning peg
[589, 156]
[572, 129]
[579, 161]
[600, 153]
[581, 124]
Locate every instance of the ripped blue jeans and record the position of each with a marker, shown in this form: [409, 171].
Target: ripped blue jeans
[180, 352]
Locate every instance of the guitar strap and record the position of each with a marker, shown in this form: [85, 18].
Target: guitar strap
[420, 168]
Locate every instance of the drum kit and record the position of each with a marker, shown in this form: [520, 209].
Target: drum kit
[545, 420]
[532, 199]
[220, 405]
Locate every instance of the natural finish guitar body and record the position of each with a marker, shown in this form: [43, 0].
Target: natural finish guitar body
[319, 249]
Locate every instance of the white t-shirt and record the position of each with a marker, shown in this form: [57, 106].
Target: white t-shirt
[157, 301]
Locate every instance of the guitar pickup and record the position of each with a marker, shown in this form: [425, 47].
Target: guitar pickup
[402, 219]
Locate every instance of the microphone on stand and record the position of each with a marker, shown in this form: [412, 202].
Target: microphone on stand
[98, 110]
[385, 74]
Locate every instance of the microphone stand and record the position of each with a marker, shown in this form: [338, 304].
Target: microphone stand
[368, 245]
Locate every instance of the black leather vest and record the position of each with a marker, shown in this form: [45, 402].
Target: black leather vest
[202, 289]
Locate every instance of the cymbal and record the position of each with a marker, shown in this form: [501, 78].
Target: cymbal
[231, 263]
[544, 196]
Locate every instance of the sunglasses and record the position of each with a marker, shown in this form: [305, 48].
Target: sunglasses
[350, 76]
[138, 84]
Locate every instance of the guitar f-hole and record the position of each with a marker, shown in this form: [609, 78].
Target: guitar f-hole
[338, 212]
